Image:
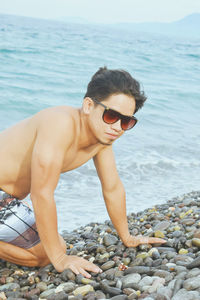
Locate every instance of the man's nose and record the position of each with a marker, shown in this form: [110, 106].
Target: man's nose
[117, 125]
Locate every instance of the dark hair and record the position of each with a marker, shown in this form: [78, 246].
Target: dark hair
[105, 83]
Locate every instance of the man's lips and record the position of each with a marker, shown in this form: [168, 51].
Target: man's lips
[112, 136]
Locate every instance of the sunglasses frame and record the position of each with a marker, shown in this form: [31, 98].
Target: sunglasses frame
[120, 116]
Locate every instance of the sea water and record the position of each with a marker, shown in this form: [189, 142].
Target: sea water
[47, 63]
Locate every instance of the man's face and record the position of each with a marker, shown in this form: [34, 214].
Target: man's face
[107, 133]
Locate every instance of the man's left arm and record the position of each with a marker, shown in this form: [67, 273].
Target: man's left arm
[115, 198]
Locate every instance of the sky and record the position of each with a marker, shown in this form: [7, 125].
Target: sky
[103, 11]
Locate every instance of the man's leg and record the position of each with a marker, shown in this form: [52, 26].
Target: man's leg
[32, 257]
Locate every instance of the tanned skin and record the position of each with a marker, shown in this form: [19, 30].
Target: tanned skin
[37, 150]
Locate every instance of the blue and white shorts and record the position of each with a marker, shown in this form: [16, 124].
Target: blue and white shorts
[17, 222]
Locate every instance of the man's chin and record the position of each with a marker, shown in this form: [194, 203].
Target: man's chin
[106, 143]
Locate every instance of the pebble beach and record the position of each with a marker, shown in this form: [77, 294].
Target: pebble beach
[160, 272]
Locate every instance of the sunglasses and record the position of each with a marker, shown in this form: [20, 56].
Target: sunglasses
[111, 116]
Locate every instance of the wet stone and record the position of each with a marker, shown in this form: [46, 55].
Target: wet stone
[109, 289]
[162, 225]
[192, 283]
[119, 297]
[83, 290]
[67, 275]
[130, 280]
[46, 293]
[58, 296]
[196, 242]
[108, 265]
[109, 240]
[9, 286]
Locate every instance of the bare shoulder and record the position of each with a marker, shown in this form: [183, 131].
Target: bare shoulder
[56, 121]
[56, 115]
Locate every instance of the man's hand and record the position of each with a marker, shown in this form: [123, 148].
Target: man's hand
[77, 264]
[134, 241]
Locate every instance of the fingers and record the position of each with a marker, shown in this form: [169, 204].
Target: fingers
[156, 240]
[84, 273]
[92, 268]
[81, 266]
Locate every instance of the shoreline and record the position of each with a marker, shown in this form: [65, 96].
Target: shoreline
[163, 272]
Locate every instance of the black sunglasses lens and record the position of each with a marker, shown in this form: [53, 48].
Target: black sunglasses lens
[128, 123]
[110, 116]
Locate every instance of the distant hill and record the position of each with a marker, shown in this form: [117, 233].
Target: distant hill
[189, 25]
[76, 20]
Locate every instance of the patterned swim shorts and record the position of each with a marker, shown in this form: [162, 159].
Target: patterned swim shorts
[17, 222]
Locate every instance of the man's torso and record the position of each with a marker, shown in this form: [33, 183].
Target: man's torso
[17, 144]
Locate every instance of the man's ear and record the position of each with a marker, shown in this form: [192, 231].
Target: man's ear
[88, 105]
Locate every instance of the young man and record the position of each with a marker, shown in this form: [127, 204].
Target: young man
[37, 150]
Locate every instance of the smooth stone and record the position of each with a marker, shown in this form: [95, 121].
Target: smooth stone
[67, 275]
[164, 274]
[47, 293]
[162, 225]
[136, 262]
[100, 295]
[83, 290]
[153, 252]
[128, 291]
[165, 290]
[134, 295]
[183, 251]
[147, 280]
[184, 294]
[67, 287]
[14, 295]
[130, 280]
[139, 270]
[58, 296]
[182, 257]
[108, 265]
[188, 221]
[9, 279]
[197, 234]
[196, 242]
[157, 262]
[109, 289]
[9, 286]
[159, 234]
[192, 283]
[178, 283]
[177, 234]
[42, 286]
[157, 283]
[181, 275]
[193, 273]
[103, 258]
[86, 280]
[194, 263]
[109, 240]
[30, 294]
[165, 249]
[119, 284]
[126, 261]
[119, 297]
[142, 255]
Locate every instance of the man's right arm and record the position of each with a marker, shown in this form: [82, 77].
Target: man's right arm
[50, 147]
[46, 165]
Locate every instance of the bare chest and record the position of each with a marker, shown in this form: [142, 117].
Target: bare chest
[75, 157]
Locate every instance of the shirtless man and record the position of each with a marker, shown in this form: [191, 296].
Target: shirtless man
[37, 150]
